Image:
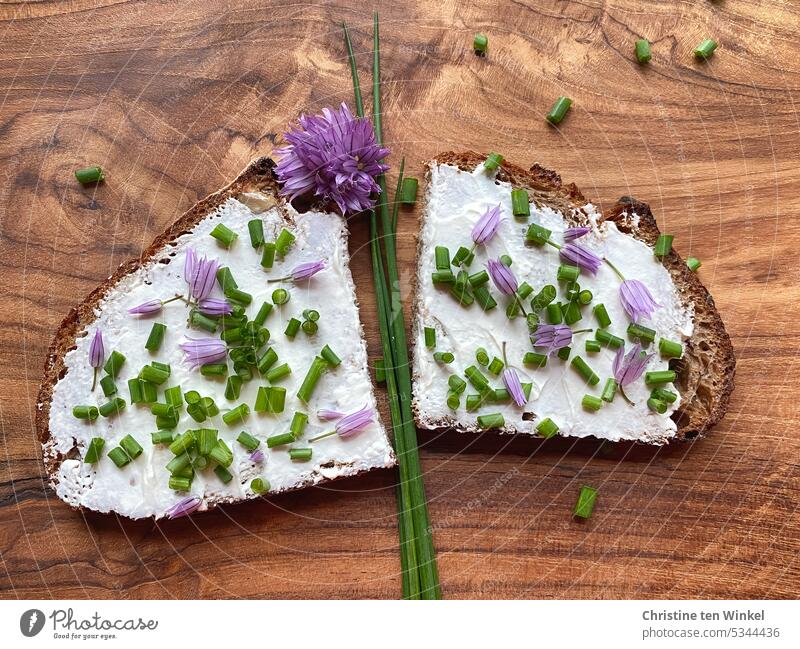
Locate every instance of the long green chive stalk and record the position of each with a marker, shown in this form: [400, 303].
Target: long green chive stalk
[420, 575]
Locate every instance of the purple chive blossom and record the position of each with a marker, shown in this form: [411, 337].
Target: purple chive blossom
[333, 155]
[188, 264]
[570, 234]
[581, 257]
[203, 274]
[502, 277]
[637, 300]
[355, 422]
[214, 306]
[200, 351]
[329, 415]
[257, 456]
[306, 271]
[487, 225]
[184, 507]
[146, 308]
[97, 351]
[514, 387]
[552, 337]
[629, 367]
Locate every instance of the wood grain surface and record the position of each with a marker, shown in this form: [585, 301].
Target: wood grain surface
[174, 98]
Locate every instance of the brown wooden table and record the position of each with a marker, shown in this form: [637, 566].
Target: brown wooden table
[174, 98]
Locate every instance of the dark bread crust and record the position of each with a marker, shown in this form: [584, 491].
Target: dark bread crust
[706, 372]
[258, 176]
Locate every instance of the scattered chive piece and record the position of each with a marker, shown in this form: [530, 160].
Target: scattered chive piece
[494, 420]
[496, 366]
[537, 234]
[214, 369]
[663, 245]
[299, 421]
[463, 257]
[225, 279]
[161, 366]
[526, 389]
[119, 457]
[233, 388]
[280, 440]
[493, 161]
[705, 49]
[221, 454]
[267, 360]
[482, 356]
[476, 378]
[300, 454]
[408, 191]
[174, 397]
[292, 327]
[547, 428]
[592, 346]
[430, 337]
[500, 395]
[479, 44]
[607, 338]
[192, 397]
[380, 371]
[559, 110]
[664, 395]
[567, 273]
[206, 441]
[114, 364]
[443, 357]
[693, 263]
[248, 441]
[585, 296]
[645, 334]
[149, 391]
[601, 314]
[478, 279]
[582, 368]
[94, 449]
[659, 376]
[564, 353]
[443, 277]
[113, 407]
[572, 289]
[309, 327]
[131, 446]
[591, 403]
[224, 235]
[256, 229]
[609, 390]
[280, 296]
[108, 386]
[85, 412]
[153, 374]
[554, 314]
[473, 402]
[332, 359]
[89, 175]
[156, 337]
[442, 257]
[314, 374]
[453, 400]
[311, 314]
[262, 314]
[268, 255]
[520, 203]
[533, 359]
[277, 373]
[544, 297]
[506, 261]
[197, 319]
[643, 54]
[178, 483]
[456, 384]
[284, 240]
[259, 486]
[572, 313]
[223, 473]
[163, 410]
[162, 437]
[586, 500]
[236, 295]
[270, 399]
[657, 405]
[179, 463]
[237, 415]
[484, 298]
[183, 443]
[669, 348]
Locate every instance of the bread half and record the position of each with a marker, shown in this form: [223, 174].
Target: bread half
[140, 489]
[459, 191]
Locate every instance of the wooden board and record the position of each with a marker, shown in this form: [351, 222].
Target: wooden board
[174, 98]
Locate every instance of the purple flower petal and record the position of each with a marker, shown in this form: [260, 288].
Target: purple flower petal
[189, 264]
[637, 300]
[257, 456]
[184, 507]
[200, 351]
[487, 225]
[552, 337]
[581, 257]
[355, 422]
[570, 234]
[629, 367]
[514, 387]
[97, 352]
[329, 415]
[307, 270]
[502, 277]
[214, 306]
[204, 274]
[146, 308]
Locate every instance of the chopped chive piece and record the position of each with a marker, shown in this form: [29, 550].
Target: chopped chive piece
[108, 386]
[277, 373]
[195, 412]
[693, 263]
[224, 235]
[442, 256]
[93, 450]
[479, 44]
[554, 314]
[582, 368]
[311, 314]
[496, 366]
[585, 296]
[149, 391]
[476, 378]
[643, 50]
[453, 400]
[667, 396]
[463, 295]
[663, 245]
[233, 388]
[591, 403]
[200, 321]
[526, 389]
[564, 353]
[532, 320]
[669, 348]
[462, 279]
[408, 191]
[214, 369]
[237, 415]
[456, 384]
[482, 356]
[89, 175]
[192, 397]
[267, 360]
[478, 279]
[183, 443]
[223, 474]
[162, 437]
[609, 390]
[292, 327]
[484, 298]
[592, 346]
[537, 234]
[314, 374]
[430, 337]
[131, 446]
[114, 364]
[209, 407]
[380, 371]
[657, 405]
[506, 261]
[705, 49]
[284, 240]
[179, 483]
[300, 454]
[500, 395]
[225, 279]
[520, 203]
[567, 273]
[119, 457]
[179, 463]
[259, 486]
[221, 454]
[659, 376]
[544, 298]
[256, 229]
[443, 357]
[164, 410]
[268, 255]
[280, 296]
[463, 257]
[85, 412]
[559, 110]
[571, 290]
[601, 314]
[524, 290]
[572, 313]
[547, 428]
[494, 420]
[248, 441]
[280, 440]
[174, 397]
[493, 161]
[443, 277]
[262, 314]
[153, 374]
[206, 441]
[156, 337]
[473, 402]
[270, 399]
[332, 359]
[586, 500]
[299, 421]
[112, 407]
[532, 359]
[164, 367]
[236, 295]
[645, 334]
[607, 338]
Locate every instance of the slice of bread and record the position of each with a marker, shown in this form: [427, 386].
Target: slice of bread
[459, 190]
[140, 489]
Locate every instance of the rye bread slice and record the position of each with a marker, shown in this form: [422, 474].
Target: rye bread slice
[256, 187]
[705, 374]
